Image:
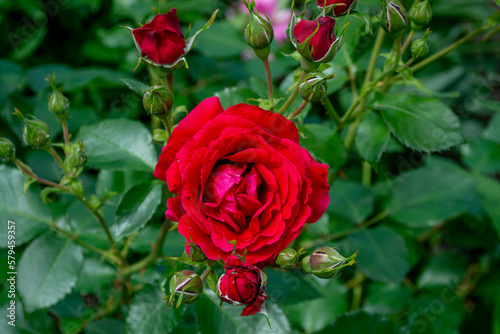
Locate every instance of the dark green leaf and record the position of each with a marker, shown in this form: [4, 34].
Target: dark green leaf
[492, 132]
[351, 200]
[136, 207]
[361, 323]
[289, 287]
[211, 44]
[119, 144]
[489, 192]
[383, 254]
[482, 155]
[11, 78]
[372, 136]
[443, 269]
[387, 299]
[105, 326]
[421, 123]
[137, 86]
[30, 215]
[234, 95]
[48, 270]
[427, 195]
[94, 275]
[38, 322]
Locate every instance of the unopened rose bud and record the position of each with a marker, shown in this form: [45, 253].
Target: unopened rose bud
[325, 262]
[77, 157]
[287, 259]
[158, 101]
[419, 47]
[58, 103]
[196, 253]
[186, 287]
[258, 32]
[421, 13]
[7, 149]
[313, 89]
[393, 16]
[35, 132]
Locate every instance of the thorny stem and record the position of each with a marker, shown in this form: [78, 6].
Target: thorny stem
[292, 97]
[64, 125]
[20, 165]
[206, 272]
[269, 78]
[298, 110]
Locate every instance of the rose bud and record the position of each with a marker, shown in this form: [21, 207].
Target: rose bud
[242, 284]
[35, 132]
[288, 258]
[76, 157]
[337, 7]
[316, 40]
[421, 13]
[161, 40]
[58, 103]
[158, 101]
[186, 287]
[325, 262]
[313, 89]
[419, 47]
[393, 17]
[258, 32]
[196, 254]
[7, 149]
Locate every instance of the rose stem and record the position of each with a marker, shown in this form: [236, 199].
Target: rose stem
[298, 110]
[205, 273]
[331, 111]
[407, 41]
[269, 78]
[57, 158]
[64, 124]
[39, 179]
[293, 96]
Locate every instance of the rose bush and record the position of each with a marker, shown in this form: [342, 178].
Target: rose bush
[323, 38]
[161, 40]
[241, 176]
[242, 284]
[340, 7]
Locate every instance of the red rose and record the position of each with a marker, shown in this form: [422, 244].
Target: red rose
[241, 175]
[342, 6]
[242, 284]
[161, 40]
[320, 43]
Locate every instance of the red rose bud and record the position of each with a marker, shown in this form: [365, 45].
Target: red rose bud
[314, 89]
[337, 7]
[421, 13]
[316, 40]
[325, 262]
[7, 149]
[186, 287]
[158, 101]
[258, 32]
[419, 47]
[35, 132]
[58, 103]
[393, 16]
[76, 157]
[161, 40]
[242, 284]
[288, 258]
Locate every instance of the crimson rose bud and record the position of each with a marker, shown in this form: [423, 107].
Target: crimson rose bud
[185, 286]
[161, 40]
[338, 7]
[393, 17]
[325, 262]
[7, 149]
[421, 13]
[242, 284]
[315, 38]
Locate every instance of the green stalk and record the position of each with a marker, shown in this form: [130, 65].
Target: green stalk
[269, 78]
[292, 97]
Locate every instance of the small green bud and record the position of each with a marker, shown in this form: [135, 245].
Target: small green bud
[158, 101]
[258, 32]
[393, 16]
[313, 89]
[185, 286]
[58, 103]
[76, 157]
[325, 262]
[35, 132]
[419, 47]
[7, 149]
[287, 258]
[421, 13]
[196, 253]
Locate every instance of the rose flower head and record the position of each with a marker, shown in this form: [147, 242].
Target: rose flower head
[242, 181]
[336, 7]
[242, 284]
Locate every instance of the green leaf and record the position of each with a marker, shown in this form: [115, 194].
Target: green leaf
[492, 132]
[234, 95]
[421, 123]
[149, 314]
[137, 86]
[489, 192]
[425, 196]
[351, 200]
[38, 322]
[105, 326]
[47, 271]
[30, 215]
[94, 275]
[227, 319]
[387, 299]
[481, 155]
[119, 144]
[383, 254]
[212, 45]
[11, 78]
[361, 323]
[443, 269]
[289, 287]
[325, 144]
[372, 136]
[136, 207]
